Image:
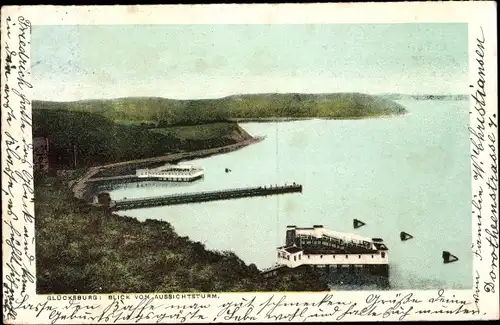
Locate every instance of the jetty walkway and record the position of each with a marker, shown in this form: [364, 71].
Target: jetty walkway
[175, 199]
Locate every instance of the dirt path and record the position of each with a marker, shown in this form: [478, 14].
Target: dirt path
[80, 185]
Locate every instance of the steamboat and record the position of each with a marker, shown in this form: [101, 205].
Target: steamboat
[171, 173]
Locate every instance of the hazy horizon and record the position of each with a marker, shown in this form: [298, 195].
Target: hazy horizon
[216, 61]
[241, 94]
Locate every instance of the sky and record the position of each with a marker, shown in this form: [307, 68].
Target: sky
[210, 61]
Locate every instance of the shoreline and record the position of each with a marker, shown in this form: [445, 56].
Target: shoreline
[293, 119]
[80, 187]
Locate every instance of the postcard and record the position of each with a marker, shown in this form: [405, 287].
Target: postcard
[249, 163]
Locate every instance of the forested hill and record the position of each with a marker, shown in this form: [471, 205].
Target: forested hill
[254, 106]
[97, 140]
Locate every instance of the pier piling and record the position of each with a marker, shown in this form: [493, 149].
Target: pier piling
[204, 197]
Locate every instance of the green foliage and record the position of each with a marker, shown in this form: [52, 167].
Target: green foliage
[98, 252]
[99, 140]
[169, 112]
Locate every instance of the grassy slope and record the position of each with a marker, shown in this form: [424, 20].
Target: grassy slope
[204, 132]
[95, 252]
[99, 140]
[170, 112]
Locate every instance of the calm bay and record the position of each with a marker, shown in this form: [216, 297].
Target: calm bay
[400, 173]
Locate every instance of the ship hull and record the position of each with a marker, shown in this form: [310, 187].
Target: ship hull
[172, 179]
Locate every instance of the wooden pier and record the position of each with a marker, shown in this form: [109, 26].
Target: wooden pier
[175, 199]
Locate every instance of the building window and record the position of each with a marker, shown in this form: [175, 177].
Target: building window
[295, 258]
[359, 256]
[372, 255]
[347, 256]
[383, 255]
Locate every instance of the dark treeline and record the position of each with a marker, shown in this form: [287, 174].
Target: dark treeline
[95, 139]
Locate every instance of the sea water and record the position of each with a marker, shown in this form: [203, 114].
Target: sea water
[401, 173]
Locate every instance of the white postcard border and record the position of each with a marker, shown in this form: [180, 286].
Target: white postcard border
[22, 305]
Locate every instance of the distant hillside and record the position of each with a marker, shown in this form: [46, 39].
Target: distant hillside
[99, 140]
[424, 97]
[169, 112]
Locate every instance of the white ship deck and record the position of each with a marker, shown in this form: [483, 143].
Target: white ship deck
[175, 173]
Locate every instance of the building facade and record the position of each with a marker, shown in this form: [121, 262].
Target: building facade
[337, 252]
[41, 154]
